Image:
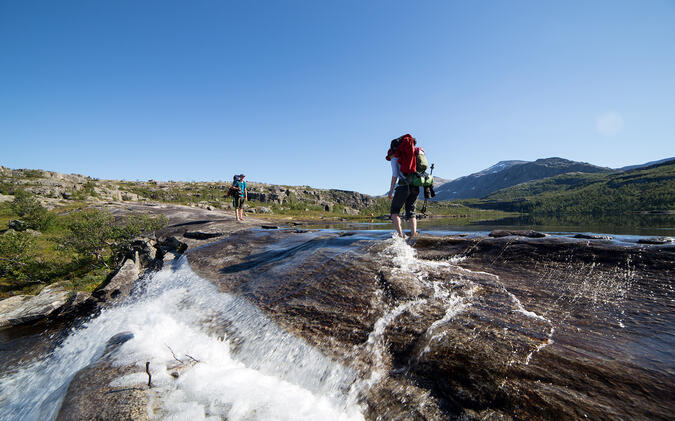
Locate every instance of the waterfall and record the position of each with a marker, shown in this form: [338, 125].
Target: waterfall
[248, 367]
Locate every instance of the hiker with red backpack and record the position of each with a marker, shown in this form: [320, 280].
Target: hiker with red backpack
[408, 166]
[402, 156]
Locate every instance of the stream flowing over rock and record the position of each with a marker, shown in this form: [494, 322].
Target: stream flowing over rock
[470, 327]
[317, 325]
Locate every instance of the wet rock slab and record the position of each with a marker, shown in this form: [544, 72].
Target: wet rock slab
[479, 328]
[602, 299]
[90, 395]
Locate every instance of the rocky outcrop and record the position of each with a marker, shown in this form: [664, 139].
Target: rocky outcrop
[56, 187]
[326, 199]
[121, 283]
[53, 301]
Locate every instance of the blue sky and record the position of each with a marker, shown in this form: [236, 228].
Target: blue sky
[311, 92]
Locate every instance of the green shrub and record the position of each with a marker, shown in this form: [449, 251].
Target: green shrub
[95, 234]
[30, 210]
[16, 255]
[31, 173]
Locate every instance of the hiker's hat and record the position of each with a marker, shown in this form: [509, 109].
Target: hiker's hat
[241, 176]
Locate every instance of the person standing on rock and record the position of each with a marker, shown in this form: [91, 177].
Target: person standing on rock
[401, 154]
[240, 198]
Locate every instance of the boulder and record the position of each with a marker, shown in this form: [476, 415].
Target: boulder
[90, 395]
[121, 283]
[12, 303]
[146, 249]
[351, 211]
[82, 303]
[24, 309]
[16, 225]
[519, 233]
[656, 240]
[593, 237]
[172, 244]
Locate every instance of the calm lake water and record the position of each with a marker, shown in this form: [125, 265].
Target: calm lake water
[625, 225]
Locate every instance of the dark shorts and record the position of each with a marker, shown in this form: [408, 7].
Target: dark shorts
[404, 194]
[238, 202]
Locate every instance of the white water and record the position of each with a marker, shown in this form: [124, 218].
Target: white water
[404, 260]
[248, 369]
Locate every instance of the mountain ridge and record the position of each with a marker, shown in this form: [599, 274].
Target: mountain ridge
[509, 173]
[643, 189]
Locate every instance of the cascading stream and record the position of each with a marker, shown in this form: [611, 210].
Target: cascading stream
[404, 260]
[215, 355]
[249, 368]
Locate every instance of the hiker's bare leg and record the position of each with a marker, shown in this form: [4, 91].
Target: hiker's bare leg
[397, 224]
[413, 226]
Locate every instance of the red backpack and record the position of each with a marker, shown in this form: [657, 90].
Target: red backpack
[405, 152]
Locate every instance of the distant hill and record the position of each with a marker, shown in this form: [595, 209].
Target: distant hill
[510, 173]
[647, 164]
[58, 189]
[649, 188]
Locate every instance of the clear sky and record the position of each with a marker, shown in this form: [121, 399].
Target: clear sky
[311, 92]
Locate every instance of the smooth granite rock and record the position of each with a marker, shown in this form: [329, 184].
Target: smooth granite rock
[90, 395]
[24, 310]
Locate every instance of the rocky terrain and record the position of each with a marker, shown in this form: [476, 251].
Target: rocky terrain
[513, 326]
[57, 189]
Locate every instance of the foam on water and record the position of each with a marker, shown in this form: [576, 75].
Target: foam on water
[235, 362]
[404, 260]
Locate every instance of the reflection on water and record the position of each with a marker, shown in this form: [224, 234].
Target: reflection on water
[639, 225]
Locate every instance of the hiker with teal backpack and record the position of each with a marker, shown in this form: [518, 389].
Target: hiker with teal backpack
[239, 196]
[408, 165]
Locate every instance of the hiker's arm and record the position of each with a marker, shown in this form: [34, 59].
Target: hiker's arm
[246, 194]
[391, 187]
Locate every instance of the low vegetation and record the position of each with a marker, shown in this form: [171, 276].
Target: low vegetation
[32, 213]
[76, 244]
[649, 189]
